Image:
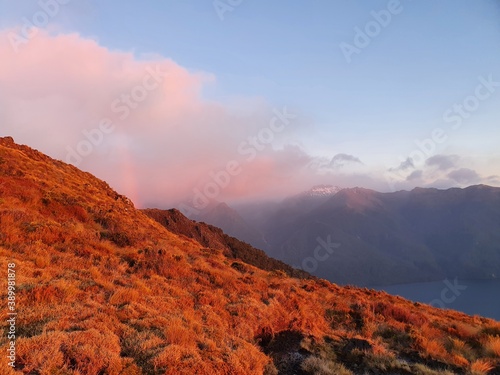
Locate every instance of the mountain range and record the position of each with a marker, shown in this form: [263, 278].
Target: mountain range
[382, 238]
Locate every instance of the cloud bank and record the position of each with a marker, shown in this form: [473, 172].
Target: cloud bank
[144, 126]
[340, 160]
[443, 162]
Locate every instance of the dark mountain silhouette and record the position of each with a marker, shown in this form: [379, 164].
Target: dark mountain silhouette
[390, 238]
[383, 238]
[214, 238]
[222, 216]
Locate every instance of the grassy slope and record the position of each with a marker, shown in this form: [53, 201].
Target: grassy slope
[103, 289]
[213, 237]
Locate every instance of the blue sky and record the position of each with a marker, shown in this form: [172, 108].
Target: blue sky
[429, 56]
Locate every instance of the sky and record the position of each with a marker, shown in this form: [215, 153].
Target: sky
[183, 102]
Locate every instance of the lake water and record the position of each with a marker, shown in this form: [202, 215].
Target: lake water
[472, 297]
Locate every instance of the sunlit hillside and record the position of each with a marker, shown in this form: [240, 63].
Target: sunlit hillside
[101, 288]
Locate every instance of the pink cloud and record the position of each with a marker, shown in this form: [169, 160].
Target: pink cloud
[165, 139]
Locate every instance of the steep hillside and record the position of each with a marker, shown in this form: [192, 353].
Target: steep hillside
[223, 216]
[101, 288]
[215, 238]
[393, 238]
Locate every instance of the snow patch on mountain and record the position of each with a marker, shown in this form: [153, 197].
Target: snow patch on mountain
[322, 191]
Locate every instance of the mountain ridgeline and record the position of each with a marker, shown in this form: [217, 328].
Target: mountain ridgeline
[386, 238]
[213, 237]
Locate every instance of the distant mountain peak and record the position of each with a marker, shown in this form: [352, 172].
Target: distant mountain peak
[322, 191]
[309, 199]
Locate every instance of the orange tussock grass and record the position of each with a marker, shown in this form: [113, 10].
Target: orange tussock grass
[492, 346]
[481, 367]
[105, 289]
